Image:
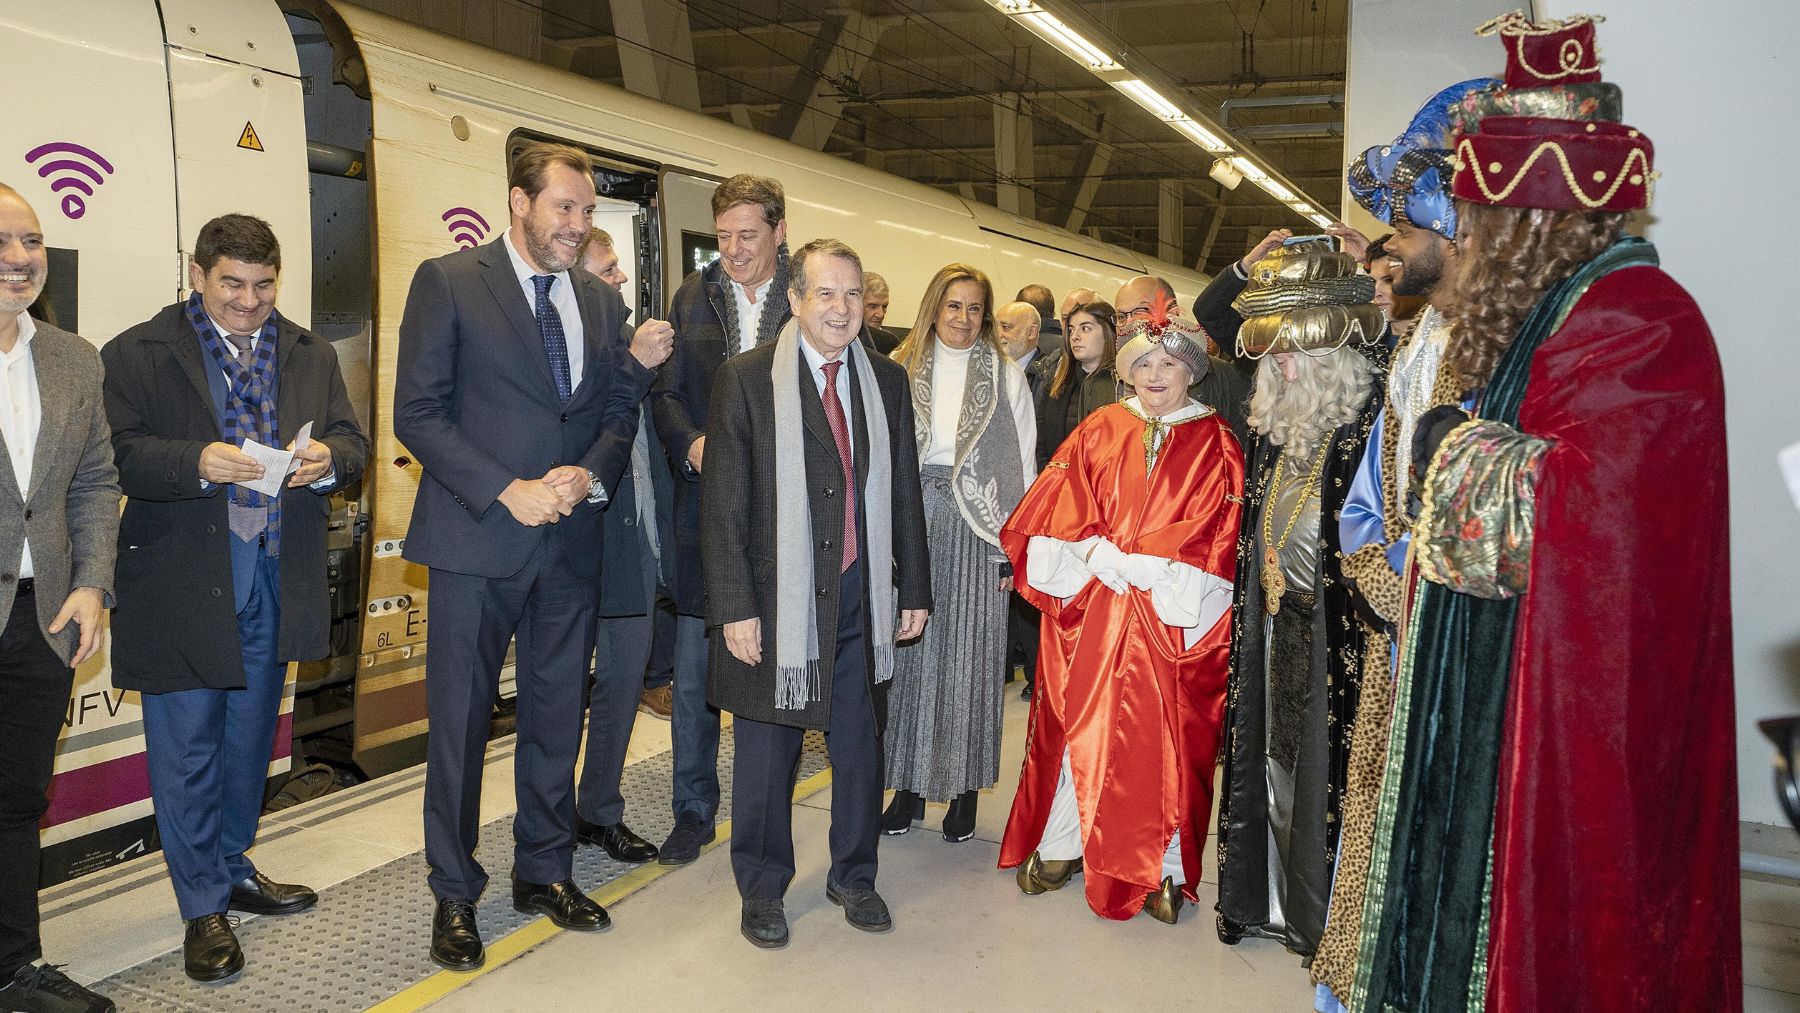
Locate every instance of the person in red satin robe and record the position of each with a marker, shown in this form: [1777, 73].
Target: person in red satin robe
[1127, 543]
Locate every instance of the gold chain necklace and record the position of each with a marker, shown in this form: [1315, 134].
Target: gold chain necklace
[1274, 584]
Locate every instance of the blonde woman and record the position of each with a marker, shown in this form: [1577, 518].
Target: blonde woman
[977, 437]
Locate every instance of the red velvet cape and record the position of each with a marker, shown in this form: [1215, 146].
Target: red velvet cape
[1139, 713]
[1616, 839]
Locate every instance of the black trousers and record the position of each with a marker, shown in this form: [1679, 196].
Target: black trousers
[768, 755]
[1022, 624]
[549, 609]
[34, 696]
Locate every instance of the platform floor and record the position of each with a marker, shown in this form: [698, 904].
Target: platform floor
[964, 937]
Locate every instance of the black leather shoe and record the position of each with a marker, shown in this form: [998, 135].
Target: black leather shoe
[616, 840]
[455, 941]
[905, 809]
[567, 906]
[211, 951]
[691, 833]
[43, 988]
[863, 909]
[1025, 694]
[764, 923]
[260, 895]
[959, 822]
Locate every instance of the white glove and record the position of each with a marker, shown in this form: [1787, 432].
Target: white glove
[1103, 562]
[1144, 571]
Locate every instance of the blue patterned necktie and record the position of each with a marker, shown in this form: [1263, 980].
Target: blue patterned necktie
[556, 344]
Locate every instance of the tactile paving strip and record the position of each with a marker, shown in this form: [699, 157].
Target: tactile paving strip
[368, 937]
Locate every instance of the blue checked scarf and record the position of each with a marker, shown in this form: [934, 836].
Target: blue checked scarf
[249, 405]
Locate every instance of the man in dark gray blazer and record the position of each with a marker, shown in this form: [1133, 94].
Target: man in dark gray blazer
[59, 517]
[220, 585]
[816, 565]
[514, 394]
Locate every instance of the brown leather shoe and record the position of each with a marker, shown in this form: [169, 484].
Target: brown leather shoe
[1164, 904]
[658, 702]
[1037, 875]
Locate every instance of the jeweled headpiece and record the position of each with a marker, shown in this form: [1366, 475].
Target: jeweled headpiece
[1551, 137]
[1306, 298]
[1411, 175]
[1167, 328]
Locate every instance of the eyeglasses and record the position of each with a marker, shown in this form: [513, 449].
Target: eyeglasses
[1141, 313]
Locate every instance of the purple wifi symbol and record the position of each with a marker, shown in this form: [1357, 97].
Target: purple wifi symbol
[466, 226]
[79, 171]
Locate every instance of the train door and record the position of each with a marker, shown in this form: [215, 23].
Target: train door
[90, 149]
[689, 238]
[337, 122]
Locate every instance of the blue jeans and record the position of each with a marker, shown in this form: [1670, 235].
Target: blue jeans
[694, 725]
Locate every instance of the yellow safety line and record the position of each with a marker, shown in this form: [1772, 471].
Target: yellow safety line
[509, 947]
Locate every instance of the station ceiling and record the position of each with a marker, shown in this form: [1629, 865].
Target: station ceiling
[914, 86]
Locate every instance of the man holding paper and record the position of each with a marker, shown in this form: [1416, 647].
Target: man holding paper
[230, 424]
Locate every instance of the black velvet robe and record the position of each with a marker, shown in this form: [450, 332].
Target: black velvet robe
[1322, 653]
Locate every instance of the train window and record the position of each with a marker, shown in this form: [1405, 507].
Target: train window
[697, 251]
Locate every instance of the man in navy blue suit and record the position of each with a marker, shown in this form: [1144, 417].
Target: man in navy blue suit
[513, 393]
[219, 585]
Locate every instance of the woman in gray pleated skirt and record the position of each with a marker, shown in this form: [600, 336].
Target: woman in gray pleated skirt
[977, 436]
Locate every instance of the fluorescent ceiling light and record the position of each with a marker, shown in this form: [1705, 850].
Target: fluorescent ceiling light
[1304, 208]
[1251, 170]
[1149, 98]
[1068, 40]
[1320, 220]
[1201, 136]
[1276, 190]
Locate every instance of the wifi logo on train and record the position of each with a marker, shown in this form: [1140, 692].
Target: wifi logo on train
[73, 171]
[466, 226]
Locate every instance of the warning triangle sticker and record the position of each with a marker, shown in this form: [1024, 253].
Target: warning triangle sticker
[248, 138]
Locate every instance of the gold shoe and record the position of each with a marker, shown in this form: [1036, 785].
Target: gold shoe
[1037, 875]
[1164, 904]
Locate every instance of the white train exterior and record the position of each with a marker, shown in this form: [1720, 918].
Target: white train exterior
[145, 119]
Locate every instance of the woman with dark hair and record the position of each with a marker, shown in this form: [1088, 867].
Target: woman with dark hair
[977, 435]
[1084, 381]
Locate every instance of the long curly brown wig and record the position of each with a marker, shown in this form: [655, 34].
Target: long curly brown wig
[1506, 259]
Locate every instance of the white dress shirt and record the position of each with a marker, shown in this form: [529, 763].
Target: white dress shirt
[749, 311]
[816, 363]
[949, 377]
[21, 415]
[562, 297]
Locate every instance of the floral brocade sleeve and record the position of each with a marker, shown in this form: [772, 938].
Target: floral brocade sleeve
[1474, 534]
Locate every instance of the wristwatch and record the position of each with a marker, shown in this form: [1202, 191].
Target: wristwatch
[596, 491]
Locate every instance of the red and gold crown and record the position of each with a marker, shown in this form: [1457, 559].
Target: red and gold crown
[1589, 163]
[1545, 53]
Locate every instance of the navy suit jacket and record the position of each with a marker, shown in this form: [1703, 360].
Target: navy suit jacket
[475, 403]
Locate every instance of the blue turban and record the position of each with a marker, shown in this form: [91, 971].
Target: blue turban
[1412, 175]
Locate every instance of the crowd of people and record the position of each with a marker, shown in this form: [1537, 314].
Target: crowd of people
[1379, 540]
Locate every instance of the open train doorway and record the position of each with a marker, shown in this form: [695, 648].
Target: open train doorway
[338, 129]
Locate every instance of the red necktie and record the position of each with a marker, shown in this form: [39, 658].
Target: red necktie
[840, 431]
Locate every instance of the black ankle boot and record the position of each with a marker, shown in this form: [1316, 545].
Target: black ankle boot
[902, 812]
[959, 822]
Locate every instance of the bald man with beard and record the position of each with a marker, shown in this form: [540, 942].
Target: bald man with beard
[1222, 388]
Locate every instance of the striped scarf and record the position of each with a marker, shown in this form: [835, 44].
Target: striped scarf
[249, 405]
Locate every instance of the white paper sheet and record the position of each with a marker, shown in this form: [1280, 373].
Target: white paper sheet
[277, 464]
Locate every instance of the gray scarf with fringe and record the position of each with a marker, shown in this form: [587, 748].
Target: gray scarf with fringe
[797, 665]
